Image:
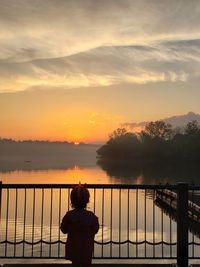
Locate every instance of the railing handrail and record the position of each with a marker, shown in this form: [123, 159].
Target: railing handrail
[103, 186]
[109, 186]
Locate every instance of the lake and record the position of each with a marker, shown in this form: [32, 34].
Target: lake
[144, 220]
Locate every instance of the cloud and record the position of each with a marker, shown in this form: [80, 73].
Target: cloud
[175, 121]
[57, 28]
[104, 66]
[77, 43]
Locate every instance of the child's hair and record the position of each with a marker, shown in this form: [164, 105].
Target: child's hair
[79, 197]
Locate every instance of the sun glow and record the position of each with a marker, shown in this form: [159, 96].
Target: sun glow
[76, 143]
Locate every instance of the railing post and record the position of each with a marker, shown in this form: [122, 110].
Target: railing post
[182, 225]
[0, 196]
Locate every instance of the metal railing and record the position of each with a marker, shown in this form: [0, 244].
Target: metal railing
[136, 221]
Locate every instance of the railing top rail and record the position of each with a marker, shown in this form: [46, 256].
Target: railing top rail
[105, 186]
[92, 186]
[194, 187]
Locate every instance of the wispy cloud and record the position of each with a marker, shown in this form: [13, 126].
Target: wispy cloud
[69, 44]
[175, 121]
[104, 66]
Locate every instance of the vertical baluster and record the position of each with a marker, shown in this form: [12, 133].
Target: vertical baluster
[128, 216]
[136, 223]
[68, 203]
[162, 228]
[42, 219]
[102, 221]
[111, 220]
[0, 197]
[153, 223]
[170, 229]
[120, 222]
[15, 232]
[51, 209]
[33, 222]
[193, 219]
[182, 225]
[145, 221]
[59, 222]
[94, 208]
[7, 216]
[24, 226]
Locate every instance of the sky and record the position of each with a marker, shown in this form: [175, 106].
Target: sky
[77, 70]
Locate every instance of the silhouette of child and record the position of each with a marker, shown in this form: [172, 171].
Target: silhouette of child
[81, 226]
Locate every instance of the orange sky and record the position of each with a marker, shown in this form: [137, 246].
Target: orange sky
[78, 70]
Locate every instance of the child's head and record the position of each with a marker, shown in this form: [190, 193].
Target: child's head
[79, 197]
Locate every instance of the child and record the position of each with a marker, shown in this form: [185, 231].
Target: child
[81, 226]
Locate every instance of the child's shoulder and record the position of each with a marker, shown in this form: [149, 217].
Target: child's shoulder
[82, 212]
[69, 213]
[90, 213]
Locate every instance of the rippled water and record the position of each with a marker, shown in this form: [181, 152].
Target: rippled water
[34, 224]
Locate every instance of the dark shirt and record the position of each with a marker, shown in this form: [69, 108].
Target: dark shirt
[81, 226]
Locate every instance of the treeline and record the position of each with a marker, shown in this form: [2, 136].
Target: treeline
[12, 141]
[37, 148]
[159, 140]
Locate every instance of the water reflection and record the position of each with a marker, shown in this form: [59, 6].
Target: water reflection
[103, 171]
[72, 175]
[110, 172]
[151, 172]
[119, 228]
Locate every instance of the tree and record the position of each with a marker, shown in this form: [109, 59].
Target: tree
[122, 144]
[158, 129]
[157, 141]
[192, 128]
[119, 132]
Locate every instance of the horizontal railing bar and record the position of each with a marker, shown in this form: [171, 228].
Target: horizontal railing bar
[93, 264]
[193, 187]
[108, 186]
[114, 186]
[96, 258]
[96, 242]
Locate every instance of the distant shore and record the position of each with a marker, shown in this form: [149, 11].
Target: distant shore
[45, 155]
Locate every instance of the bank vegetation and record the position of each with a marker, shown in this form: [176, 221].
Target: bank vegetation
[158, 141]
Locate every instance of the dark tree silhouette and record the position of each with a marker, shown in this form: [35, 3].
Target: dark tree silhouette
[158, 129]
[157, 141]
[192, 128]
[122, 144]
